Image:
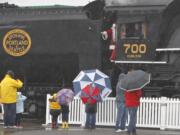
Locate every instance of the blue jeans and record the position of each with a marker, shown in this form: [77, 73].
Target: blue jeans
[132, 119]
[90, 120]
[121, 116]
[65, 116]
[9, 114]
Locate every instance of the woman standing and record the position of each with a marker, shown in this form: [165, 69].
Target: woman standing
[132, 101]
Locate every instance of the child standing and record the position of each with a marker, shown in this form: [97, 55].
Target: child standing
[55, 110]
[65, 96]
[19, 108]
[91, 110]
[65, 116]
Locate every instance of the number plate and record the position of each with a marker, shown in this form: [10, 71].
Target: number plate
[133, 49]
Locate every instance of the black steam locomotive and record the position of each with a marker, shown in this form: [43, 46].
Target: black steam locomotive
[146, 36]
[47, 46]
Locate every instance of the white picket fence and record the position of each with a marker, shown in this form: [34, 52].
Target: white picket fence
[1, 114]
[162, 113]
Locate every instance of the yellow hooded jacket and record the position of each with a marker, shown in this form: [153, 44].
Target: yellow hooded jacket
[8, 89]
[54, 105]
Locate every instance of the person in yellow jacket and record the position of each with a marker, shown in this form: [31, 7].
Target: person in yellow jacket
[55, 110]
[8, 93]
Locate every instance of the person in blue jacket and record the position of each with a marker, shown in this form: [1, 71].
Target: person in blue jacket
[19, 109]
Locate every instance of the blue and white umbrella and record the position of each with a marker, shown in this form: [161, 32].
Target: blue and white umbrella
[95, 78]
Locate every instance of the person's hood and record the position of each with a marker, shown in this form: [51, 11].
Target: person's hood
[121, 76]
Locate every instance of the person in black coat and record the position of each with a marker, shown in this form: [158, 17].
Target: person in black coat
[90, 110]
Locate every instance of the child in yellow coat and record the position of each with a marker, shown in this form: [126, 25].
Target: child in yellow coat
[55, 110]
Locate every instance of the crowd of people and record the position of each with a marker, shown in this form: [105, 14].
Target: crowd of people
[12, 100]
[13, 104]
[56, 108]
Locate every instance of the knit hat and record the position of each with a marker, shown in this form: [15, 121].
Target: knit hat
[11, 73]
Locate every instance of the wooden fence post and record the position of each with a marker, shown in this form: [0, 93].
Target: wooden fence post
[1, 114]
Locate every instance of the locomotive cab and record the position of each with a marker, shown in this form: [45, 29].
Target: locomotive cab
[133, 43]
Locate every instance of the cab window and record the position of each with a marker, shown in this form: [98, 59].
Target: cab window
[133, 30]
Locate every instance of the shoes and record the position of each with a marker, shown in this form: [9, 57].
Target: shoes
[53, 125]
[92, 127]
[5, 126]
[132, 133]
[14, 127]
[19, 127]
[66, 125]
[120, 130]
[63, 125]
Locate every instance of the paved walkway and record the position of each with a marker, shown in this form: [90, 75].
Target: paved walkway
[80, 131]
[35, 128]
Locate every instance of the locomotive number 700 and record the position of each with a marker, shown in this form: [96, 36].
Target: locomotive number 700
[135, 48]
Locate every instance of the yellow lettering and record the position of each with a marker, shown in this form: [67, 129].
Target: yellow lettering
[142, 48]
[127, 47]
[135, 48]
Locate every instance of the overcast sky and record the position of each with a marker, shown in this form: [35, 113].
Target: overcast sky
[47, 2]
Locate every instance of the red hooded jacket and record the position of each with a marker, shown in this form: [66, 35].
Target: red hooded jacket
[132, 98]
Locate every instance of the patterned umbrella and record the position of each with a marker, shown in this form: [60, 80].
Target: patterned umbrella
[92, 77]
[90, 95]
[65, 96]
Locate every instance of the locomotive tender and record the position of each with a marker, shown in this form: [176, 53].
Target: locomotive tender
[46, 47]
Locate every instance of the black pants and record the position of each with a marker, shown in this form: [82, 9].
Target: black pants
[9, 114]
[54, 113]
[18, 119]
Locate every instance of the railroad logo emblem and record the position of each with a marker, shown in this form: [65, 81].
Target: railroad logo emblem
[17, 42]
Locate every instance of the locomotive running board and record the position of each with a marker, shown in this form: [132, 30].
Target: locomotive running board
[167, 49]
[142, 62]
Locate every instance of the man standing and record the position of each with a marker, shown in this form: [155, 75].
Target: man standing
[8, 94]
[121, 109]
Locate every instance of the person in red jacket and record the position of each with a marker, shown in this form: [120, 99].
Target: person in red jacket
[132, 101]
